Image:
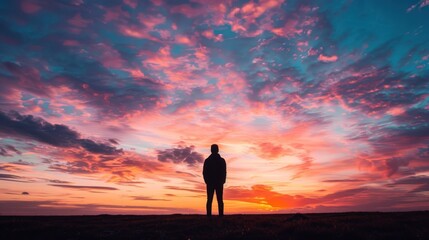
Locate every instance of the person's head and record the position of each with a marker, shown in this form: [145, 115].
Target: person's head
[214, 148]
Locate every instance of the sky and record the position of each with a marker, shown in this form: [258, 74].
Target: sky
[110, 107]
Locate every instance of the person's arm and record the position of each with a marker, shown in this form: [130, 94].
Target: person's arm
[224, 170]
[205, 172]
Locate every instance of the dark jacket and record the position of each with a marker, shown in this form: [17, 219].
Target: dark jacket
[214, 170]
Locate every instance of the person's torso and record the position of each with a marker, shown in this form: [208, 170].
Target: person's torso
[215, 167]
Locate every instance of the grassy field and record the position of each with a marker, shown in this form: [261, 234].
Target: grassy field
[404, 225]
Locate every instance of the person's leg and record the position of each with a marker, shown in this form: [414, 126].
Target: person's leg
[219, 197]
[210, 193]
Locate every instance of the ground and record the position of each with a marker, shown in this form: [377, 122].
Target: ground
[398, 225]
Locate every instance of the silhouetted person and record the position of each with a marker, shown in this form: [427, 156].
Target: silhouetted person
[214, 173]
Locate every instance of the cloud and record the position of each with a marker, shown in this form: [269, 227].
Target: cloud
[210, 35]
[265, 195]
[85, 84]
[420, 4]
[13, 178]
[22, 162]
[56, 181]
[114, 141]
[324, 58]
[100, 148]
[422, 188]
[375, 90]
[83, 187]
[141, 94]
[187, 10]
[194, 190]
[412, 116]
[421, 181]
[79, 21]
[30, 7]
[342, 180]
[52, 208]
[58, 135]
[20, 76]
[11, 167]
[126, 167]
[143, 198]
[399, 149]
[341, 194]
[272, 151]
[8, 150]
[131, 3]
[180, 154]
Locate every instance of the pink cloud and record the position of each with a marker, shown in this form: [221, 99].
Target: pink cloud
[237, 27]
[165, 34]
[160, 60]
[215, 9]
[135, 31]
[131, 3]
[115, 13]
[210, 35]
[157, 2]
[135, 72]
[78, 21]
[234, 12]
[147, 26]
[29, 6]
[421, 4]
[150, 21]
[244, 18]
[297, 24]
[395, 111]
[251, 11]
[187, 10]
[324, 58]
[248, 8]
[312, 52]
[302, 43]
[132, 31]
[14, 167]
[224, 74]
[182, 39]
[108, 56]
[127, 167]
[28, 79]
[202, 54]
[71, 43]
[181, 69]
[290, 29]
[269, 150]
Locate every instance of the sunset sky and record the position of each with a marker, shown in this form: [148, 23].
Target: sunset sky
[111, 106]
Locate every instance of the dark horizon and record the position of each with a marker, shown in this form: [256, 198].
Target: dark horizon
[359, 226]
